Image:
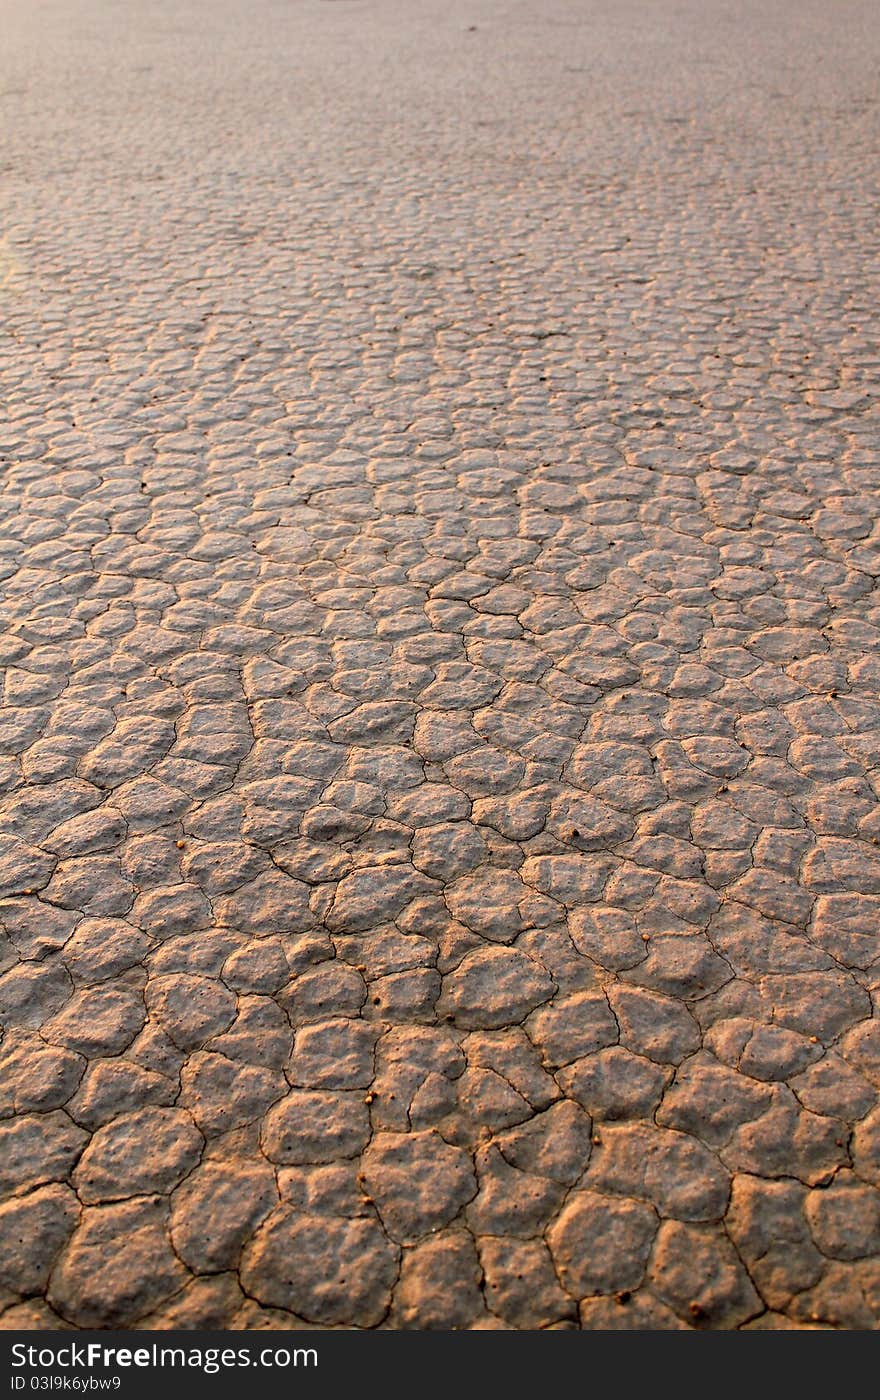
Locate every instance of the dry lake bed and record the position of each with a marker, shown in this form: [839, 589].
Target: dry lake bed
[440, 734]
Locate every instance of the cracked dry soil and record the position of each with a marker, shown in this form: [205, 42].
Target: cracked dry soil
[440, 737]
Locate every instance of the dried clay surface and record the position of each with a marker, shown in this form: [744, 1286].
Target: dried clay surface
[440, 737]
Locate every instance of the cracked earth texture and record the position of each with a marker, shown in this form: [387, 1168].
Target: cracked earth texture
[440, 733]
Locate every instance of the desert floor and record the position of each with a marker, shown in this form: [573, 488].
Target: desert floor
[440, 742]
